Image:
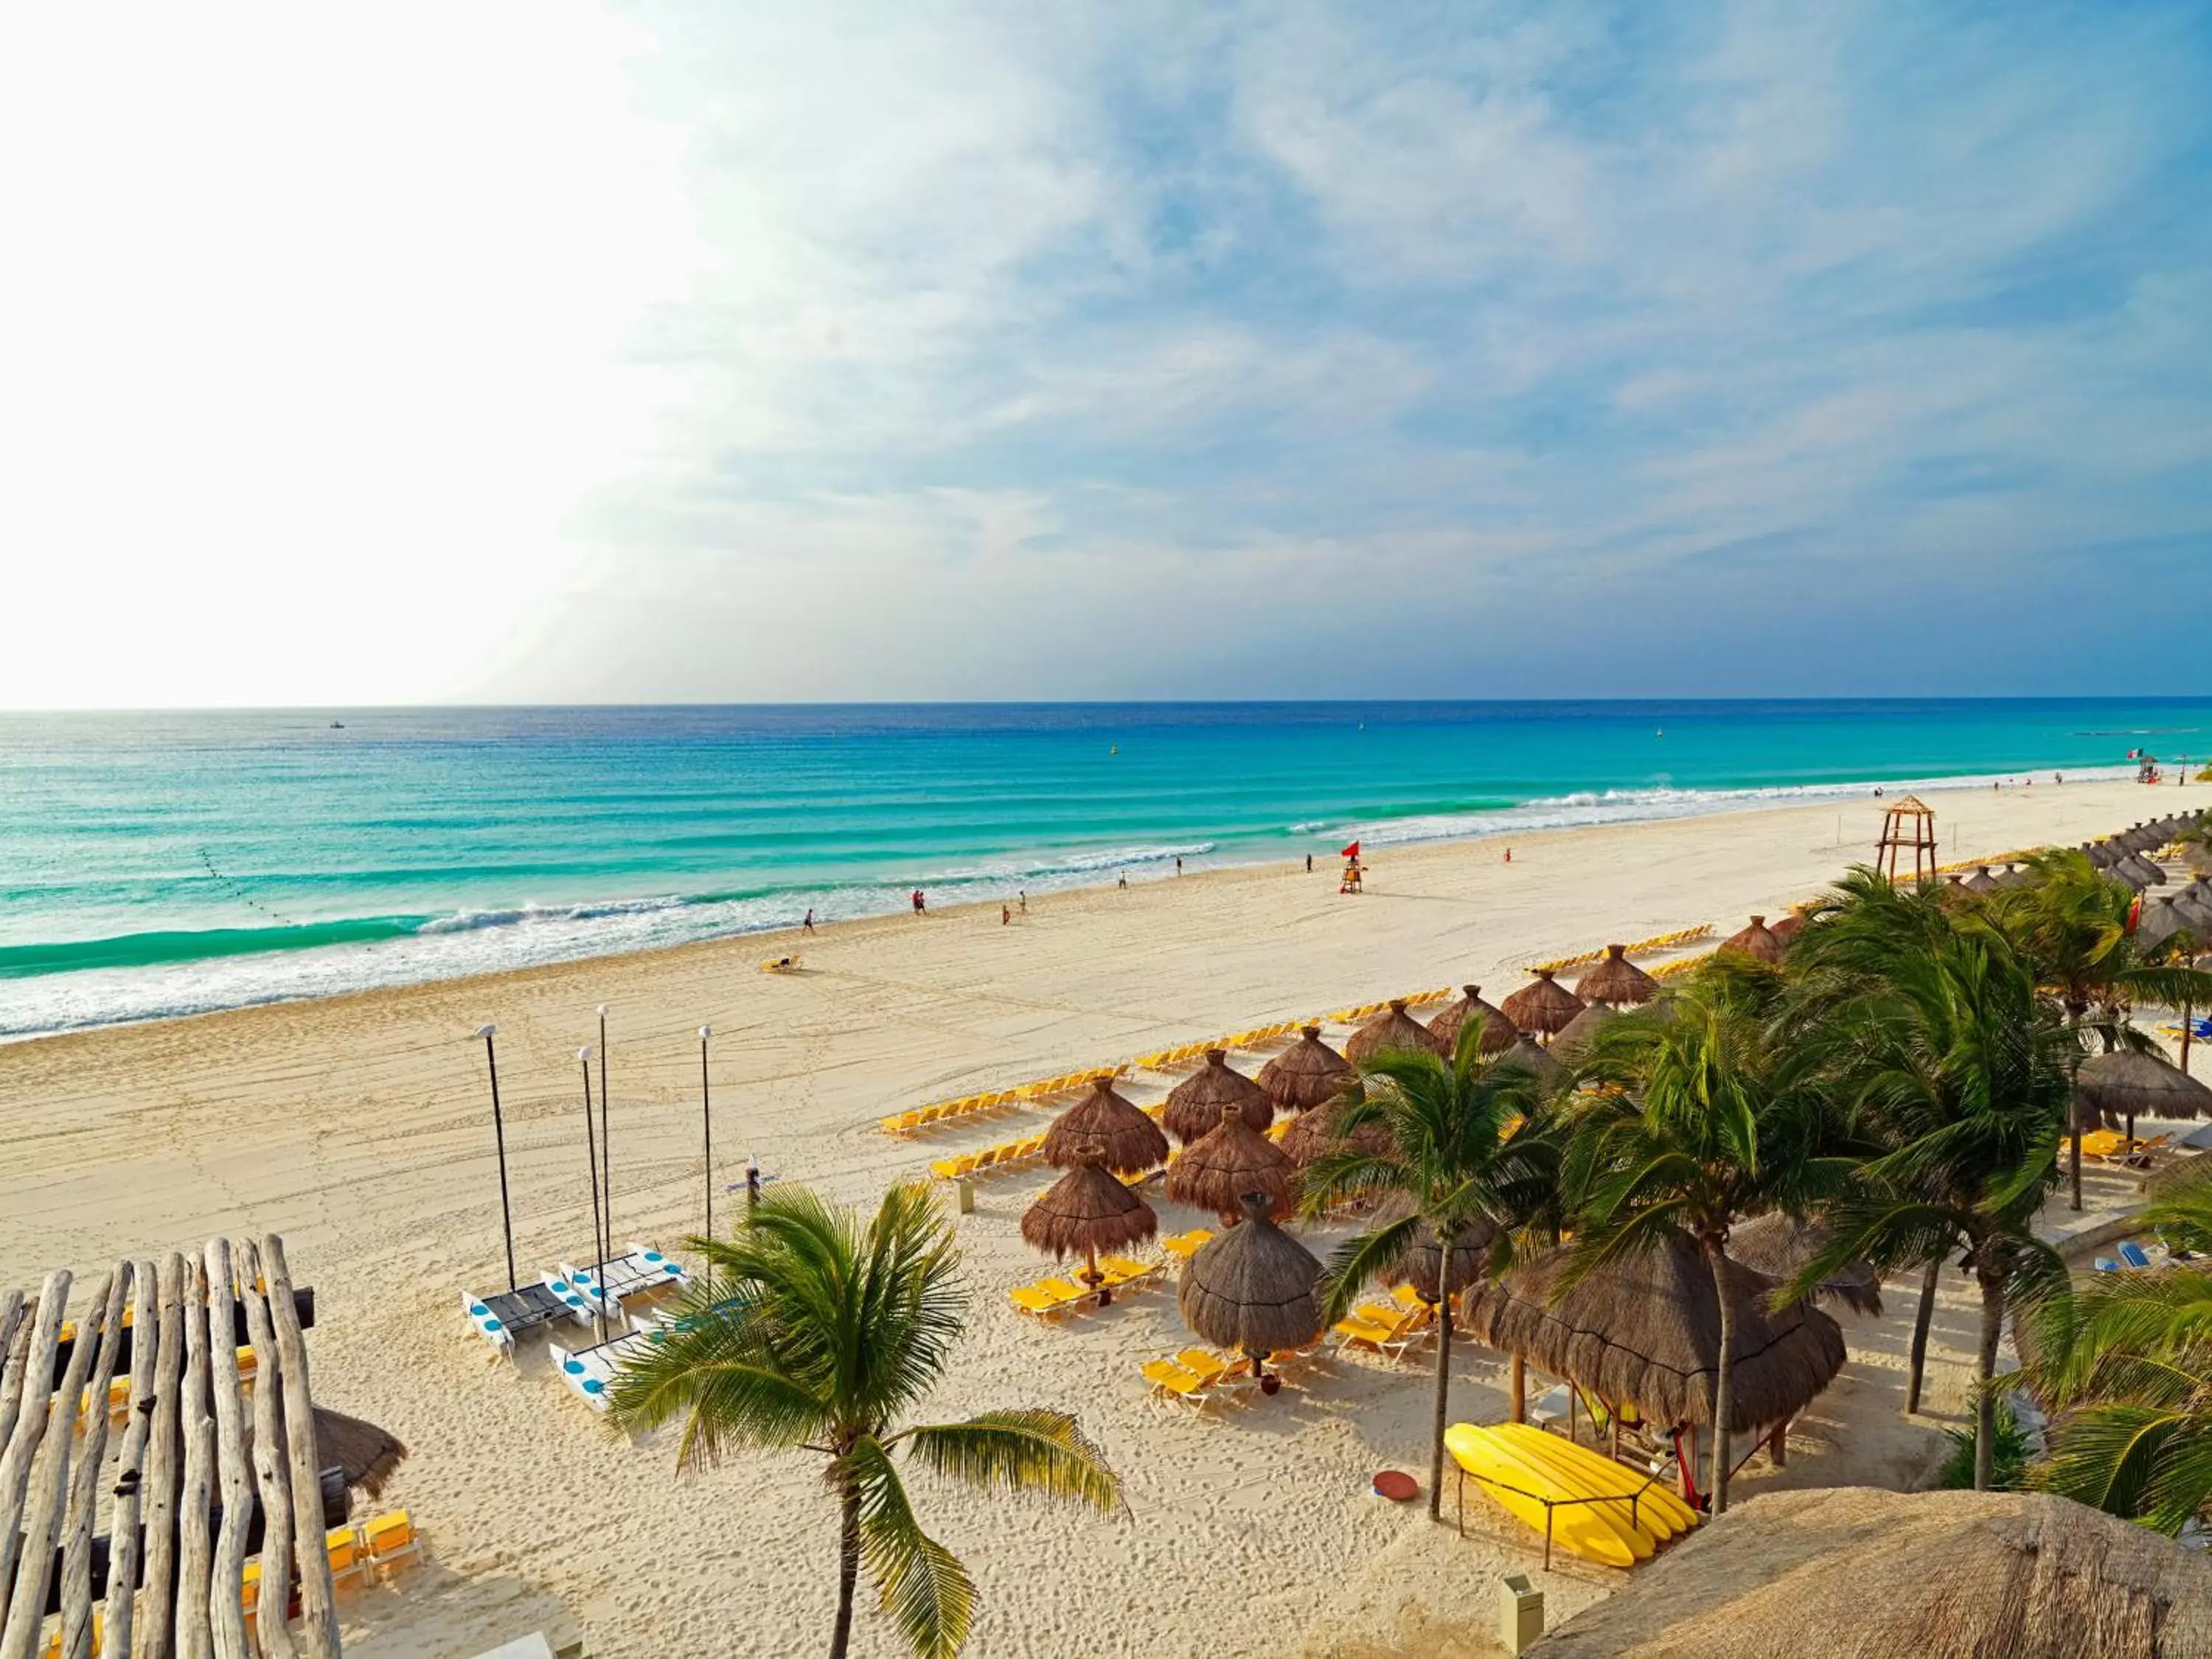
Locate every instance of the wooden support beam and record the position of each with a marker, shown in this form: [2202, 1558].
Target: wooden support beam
[318, 1617]
[194, 1544]
[14, 1311]
[156, 1614]
[130, 1461]
[226, 1605]
[269, 1463]
[49, 1490]
[75, 1588]
[304, 1298]
[30, 1419]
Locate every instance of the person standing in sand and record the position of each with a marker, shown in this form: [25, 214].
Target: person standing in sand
[919, 906]
[1005, 915]
[807, 926]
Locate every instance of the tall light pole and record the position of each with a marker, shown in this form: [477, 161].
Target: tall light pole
[707, 1124]
[606, 1142]
[499, 1136]
[598, 1239]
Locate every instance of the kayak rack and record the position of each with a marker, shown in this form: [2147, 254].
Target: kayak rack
[1549, 1504]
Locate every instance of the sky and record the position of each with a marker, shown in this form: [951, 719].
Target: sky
[554, 352]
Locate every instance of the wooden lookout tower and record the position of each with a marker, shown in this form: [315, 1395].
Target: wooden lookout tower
[1909, 826]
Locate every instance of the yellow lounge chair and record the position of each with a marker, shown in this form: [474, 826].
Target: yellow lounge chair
[1169, 1381]
[390, 1538]
[347, 1561]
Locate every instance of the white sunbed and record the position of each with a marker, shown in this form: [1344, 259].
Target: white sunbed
[590, 1372]
[639, 1272]
[575, 1290]
[503, 1315]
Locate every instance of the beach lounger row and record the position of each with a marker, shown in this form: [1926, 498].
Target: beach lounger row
[1007, 1155]
[993, 1100]
[1192, 1376]
[1063, 1293]
[1181, 1247]
[2133, 1259]
[1392, 1329]
[1182, 1054]
[1368, 1010]
[2111, 1146]
[1674, 940]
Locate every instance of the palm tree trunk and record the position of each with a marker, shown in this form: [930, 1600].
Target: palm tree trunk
[1918, 1368]
[849, 1570]
[1985, 1367]
[1723, 1401]
[1443, 1394]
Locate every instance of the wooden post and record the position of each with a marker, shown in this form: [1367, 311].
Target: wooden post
[12, 1313]
[125, 1550]
[225, 1600]
[84, 1488]
[278, 1525]
[195, 1548]
[1777, 1444]
[30, 1427]
[1520, 1388]
[156, 1616]
[42, 1509]
[318, 1614]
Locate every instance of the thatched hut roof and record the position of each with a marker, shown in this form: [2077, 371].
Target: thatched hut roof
[1569, 1044]
[1779, 1247]
[1982, 881]
[2159, 920]
[1392, 1028]
[1127, 1142]
[1417, 1268]
[1497, 1032]
[1647, 1329]
[1534, 1060]
[1858, 1572]
[1617, 980]
[1193, 1108]
[2125, 1084]
[1308, 1073]
[2138, 866]
[2013, 875]
[1250, 1289]
[1216, 1169]
[1087, 1212]
[368, 1455]
[2101, 854]
[1757, 941]
[1788, 927]
[1545, 1005]
[2177, 1176]
[1313, 1135]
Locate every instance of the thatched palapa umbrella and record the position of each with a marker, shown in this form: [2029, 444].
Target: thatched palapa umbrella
[1418, 1267]
[1543, 1007]
[2129, 1084]
[2159, 920]
[1534, 1060]
[1575, 1038]
[1647, 1329]
[368, 1455]
[1085, 1212]
[1497, 1032]
[1757, 941]
[1982, 881]
[2013, 876]
[2141, 871]
[1788, 927]
[1127, 1142]
[1216, 1170]
[1250, 1291]
[1315, 1134]
[1392, 1028]
[1617, 980]
[1194, 1104]
[1780, 1247]
[1308, 1073]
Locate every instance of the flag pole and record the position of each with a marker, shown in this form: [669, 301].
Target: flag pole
[606, 1142]
[707, 1125]
[499, 1138]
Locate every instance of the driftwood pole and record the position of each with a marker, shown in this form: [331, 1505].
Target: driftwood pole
[124, 1550]
[13, 1313]
[30, 1427]
[225, 1600]
[42, 1510]
[318, 1616]
[194, 1546]
[156, 1619]
[84, 1488]
[277, 1522]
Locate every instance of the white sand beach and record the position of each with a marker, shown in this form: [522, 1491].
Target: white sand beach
[359, 1129]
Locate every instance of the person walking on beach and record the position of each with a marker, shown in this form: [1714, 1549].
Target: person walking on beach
[1309, 864]
[1022, 898]
[807, 926]
[919, 906]
[1005, 915]
[1122, 881]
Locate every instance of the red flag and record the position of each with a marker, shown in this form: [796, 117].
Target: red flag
[1351, 851]
[2135, 913]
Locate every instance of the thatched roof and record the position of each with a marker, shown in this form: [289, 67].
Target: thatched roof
[2160, 920]
[1497, 1032]
[2101, 854]
[1568, 1045]
[1417, 1268]
[1216, 1170]
[1982, 881]
[1544, 1005]
[1647, 1329]
[1534, 1060]
[1617, 980]
[1250, 1289]
[1306, 1074]
[366, 1454]
[2013, 876]
[1779, 1247]
[1087, 1212]
[2125, 1082]
[1788, 927]
[1193, 1108]
[2177, 1177]
[1394, 1028]
[1127, 1142]
[1757, 940]
[1855, 1573]
[1314, 1133]
[2141, 867]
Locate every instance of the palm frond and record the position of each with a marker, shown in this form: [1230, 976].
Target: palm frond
[1023, 1451]
[927, 1593]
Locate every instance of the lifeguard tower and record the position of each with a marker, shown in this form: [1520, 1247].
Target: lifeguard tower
[1909, 824]
[1352, 871]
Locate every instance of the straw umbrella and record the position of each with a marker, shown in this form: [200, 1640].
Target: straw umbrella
[1534, 1060]
[1313, 1134]
[2013, 875]
[1128, 1142]
[1786, 930]
[1617, 980]
[2130, 1083]
[1569, 1044]
[1497, 1032]
[1394, 1028]
[1756, 941]
[1982, 881]
[1250, 1291]
[1543, 1007]
[1216, 1170]
[2159, 920]
[1780, 1246]
[1194, 1104]
[1306, 1074]
[2141, 871]
[1943, 1575]
[1086, 1212]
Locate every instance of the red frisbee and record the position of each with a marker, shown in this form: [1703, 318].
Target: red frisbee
[1397, 1486]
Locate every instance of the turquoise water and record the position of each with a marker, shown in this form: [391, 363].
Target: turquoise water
[164, 863]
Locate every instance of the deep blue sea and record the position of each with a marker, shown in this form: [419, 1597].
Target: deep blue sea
[167, 863]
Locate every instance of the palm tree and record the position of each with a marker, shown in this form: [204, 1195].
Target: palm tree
[2125, 1364]
[1691, 1125]
[1930, 1041]
[814, 1330]
[1468, 1164]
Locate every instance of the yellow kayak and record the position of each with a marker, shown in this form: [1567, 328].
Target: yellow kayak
[1520, 1485]
[1657, 1511]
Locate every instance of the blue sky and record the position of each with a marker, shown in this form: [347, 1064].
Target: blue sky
[691, 352]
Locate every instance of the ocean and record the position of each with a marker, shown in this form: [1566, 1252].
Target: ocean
[169, 863]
